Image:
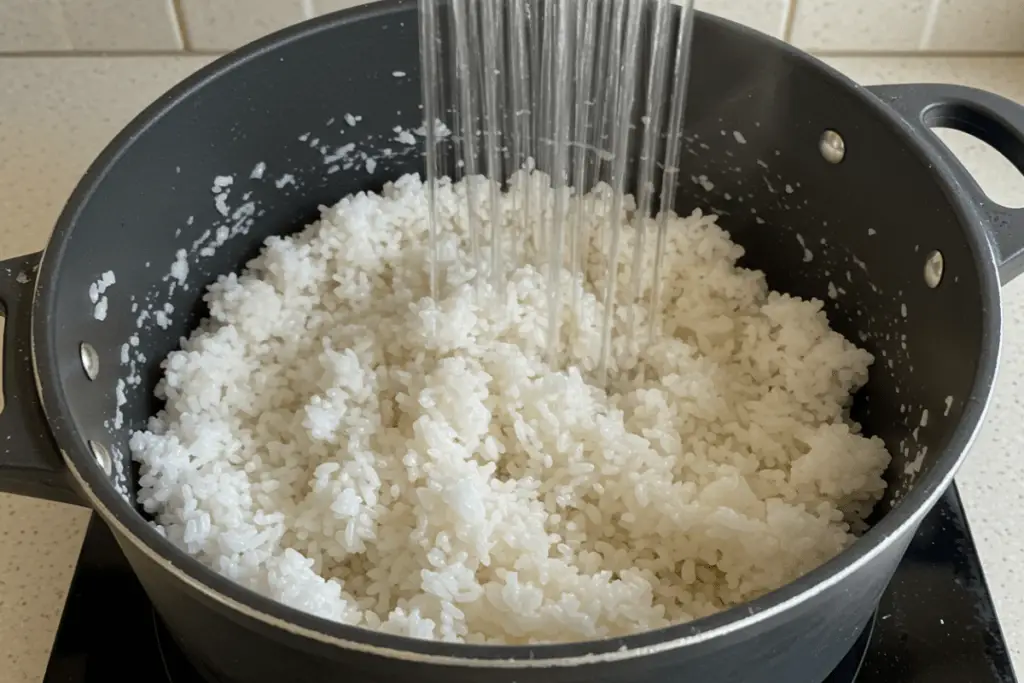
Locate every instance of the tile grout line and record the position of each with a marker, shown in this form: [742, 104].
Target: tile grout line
[788, 19]
[928, 30]
[919, 54]
[179, 18]
[861, 54]
[112, 54]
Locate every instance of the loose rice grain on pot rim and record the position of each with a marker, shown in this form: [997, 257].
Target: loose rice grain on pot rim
[339, 441]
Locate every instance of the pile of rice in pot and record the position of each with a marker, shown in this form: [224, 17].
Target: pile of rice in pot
[336, 439]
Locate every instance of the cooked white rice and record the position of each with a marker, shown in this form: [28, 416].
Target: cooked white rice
[336, 439]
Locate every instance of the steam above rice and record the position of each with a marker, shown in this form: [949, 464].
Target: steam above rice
[337, 440]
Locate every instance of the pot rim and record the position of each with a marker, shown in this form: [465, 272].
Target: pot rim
[132, 527]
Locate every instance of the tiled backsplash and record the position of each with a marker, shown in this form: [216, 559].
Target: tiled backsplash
[824, 26]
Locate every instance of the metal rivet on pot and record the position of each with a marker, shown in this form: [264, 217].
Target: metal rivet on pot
[102, 455]
[90, 360]
[832, 146]
[933, 267]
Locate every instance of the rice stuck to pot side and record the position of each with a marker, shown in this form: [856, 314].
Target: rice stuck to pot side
[339, 441]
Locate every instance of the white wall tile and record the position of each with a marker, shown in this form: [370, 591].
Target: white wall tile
[860, 24]
[767, 16]
[978, 26]
[325, 6]
[868, 26]
[121, 24]
[227, 24]
[32, 25]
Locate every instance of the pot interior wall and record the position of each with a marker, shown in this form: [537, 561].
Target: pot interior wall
[854, 235]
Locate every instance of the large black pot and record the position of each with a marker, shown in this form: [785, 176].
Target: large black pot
[872, 219]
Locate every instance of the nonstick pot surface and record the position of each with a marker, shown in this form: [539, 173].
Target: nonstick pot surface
[854, 234]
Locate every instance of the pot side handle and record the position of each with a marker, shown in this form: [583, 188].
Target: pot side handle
[30, 463]
[991, 118]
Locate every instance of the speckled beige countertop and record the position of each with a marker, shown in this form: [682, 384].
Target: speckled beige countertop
[57, 113]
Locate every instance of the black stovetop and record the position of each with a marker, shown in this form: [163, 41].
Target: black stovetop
[935, 624]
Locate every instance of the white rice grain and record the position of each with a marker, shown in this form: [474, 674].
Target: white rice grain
[336, 439]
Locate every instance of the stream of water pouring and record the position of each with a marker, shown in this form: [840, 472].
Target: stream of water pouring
[570, 92]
